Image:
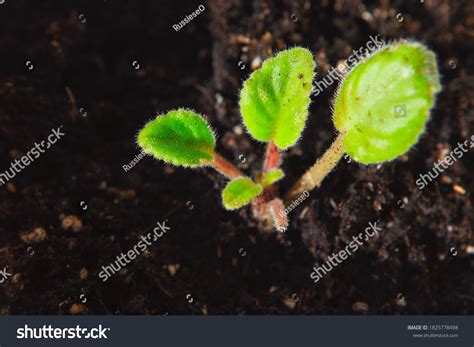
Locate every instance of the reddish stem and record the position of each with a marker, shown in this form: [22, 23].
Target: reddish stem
[272, 157]
[225, 167]
[277, 211]
[263, 209]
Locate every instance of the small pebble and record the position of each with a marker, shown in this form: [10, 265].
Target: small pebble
[72, 222]
[459, 189]
[238, 130]
[403, 158]
[169, 169]
[267, 37]
[37, 235]
[127, 194]
[5, 310]
[289, 302]
[272, 289]
[242, 39]
[446, 179]
[377, 205]
[370, 186]
[83, 273]
[401, 301]
[360, 306]
[11, 187]
[470, 249]
[77, 309]
[256, 62]
[443, 150]
[55, 44]
[16, 278]
[172, 268]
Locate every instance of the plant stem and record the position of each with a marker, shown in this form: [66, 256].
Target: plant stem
[225, 167]
[266, 205]
[315, 175]
[272, 157]
[277, 211]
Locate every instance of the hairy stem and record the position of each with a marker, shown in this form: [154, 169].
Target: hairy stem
[225, 167]
[277, 211]
[268, 207]
[272, 157]
[315, 175]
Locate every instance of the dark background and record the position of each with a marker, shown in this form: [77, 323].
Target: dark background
[422, 262]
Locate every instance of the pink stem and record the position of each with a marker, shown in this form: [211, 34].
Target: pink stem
[225, 167]
[277, 211]
[272, 157]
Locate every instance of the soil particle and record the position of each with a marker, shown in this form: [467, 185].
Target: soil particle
[72, 222]
[37, 235]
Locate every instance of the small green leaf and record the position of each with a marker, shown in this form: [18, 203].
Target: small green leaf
[269, 177]
[275, 98]
[181, 137]
[384, 103]
[240, 192]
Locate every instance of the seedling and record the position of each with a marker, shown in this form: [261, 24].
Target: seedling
[380, 109]
[274, 105]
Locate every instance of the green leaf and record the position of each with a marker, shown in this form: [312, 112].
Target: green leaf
[269, 177]
[180, 137]
[240, 192]
[275, 98]
[384, 102]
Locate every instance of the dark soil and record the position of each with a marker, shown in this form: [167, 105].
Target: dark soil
[421, 262]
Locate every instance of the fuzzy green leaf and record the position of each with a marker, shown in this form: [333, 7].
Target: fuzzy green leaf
[239, 192]
[384, 102]
[269, 177]
[275, 98]
[180, 137]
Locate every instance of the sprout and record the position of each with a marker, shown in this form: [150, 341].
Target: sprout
[380, 111]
